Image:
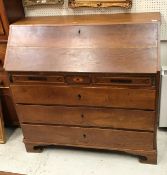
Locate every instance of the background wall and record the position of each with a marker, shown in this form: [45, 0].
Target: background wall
[138, 6]
[164, 53]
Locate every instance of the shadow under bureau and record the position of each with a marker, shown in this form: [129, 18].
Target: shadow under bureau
[87, 81]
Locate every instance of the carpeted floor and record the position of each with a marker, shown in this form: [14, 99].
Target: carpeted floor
[59, 161]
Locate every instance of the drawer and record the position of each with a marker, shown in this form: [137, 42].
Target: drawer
[1, 27]
[124, 81]
[85, 96]
[4, 82]
[93, 137]
[58, 79]
[38, 79]
[84, 116]
[2, 54]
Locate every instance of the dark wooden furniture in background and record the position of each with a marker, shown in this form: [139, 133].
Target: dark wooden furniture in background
[100, 3]
[94, 84]
[10, 11]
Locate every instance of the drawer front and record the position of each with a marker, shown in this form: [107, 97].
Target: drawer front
[85, 96]
[83, 116]
[57, 79]
[2, 54]
[93, 137]
[1, 27]
[38, 79]
[124, 81]
[4, 82]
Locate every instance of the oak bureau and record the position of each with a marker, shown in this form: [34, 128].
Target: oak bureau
[87, 81]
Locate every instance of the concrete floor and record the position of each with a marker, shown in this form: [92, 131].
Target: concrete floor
[59, 161]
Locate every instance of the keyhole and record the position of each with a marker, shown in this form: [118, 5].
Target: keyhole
[79, 31]
[82, 115]
[79, 96]
[84, 136]
[99, 4]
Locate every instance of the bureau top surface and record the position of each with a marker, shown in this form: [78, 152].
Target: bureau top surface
[92, 19]
[123, 43]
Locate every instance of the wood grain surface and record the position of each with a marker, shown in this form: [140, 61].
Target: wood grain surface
[2, 134]
[90, 48]
[92, 36]
[1, 27]
[88, 136]
[84, 96]
[2, 54]
[101, 19]
[82, 60]
[87, 116]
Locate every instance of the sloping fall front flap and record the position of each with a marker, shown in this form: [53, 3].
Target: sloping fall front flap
[128, 44]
